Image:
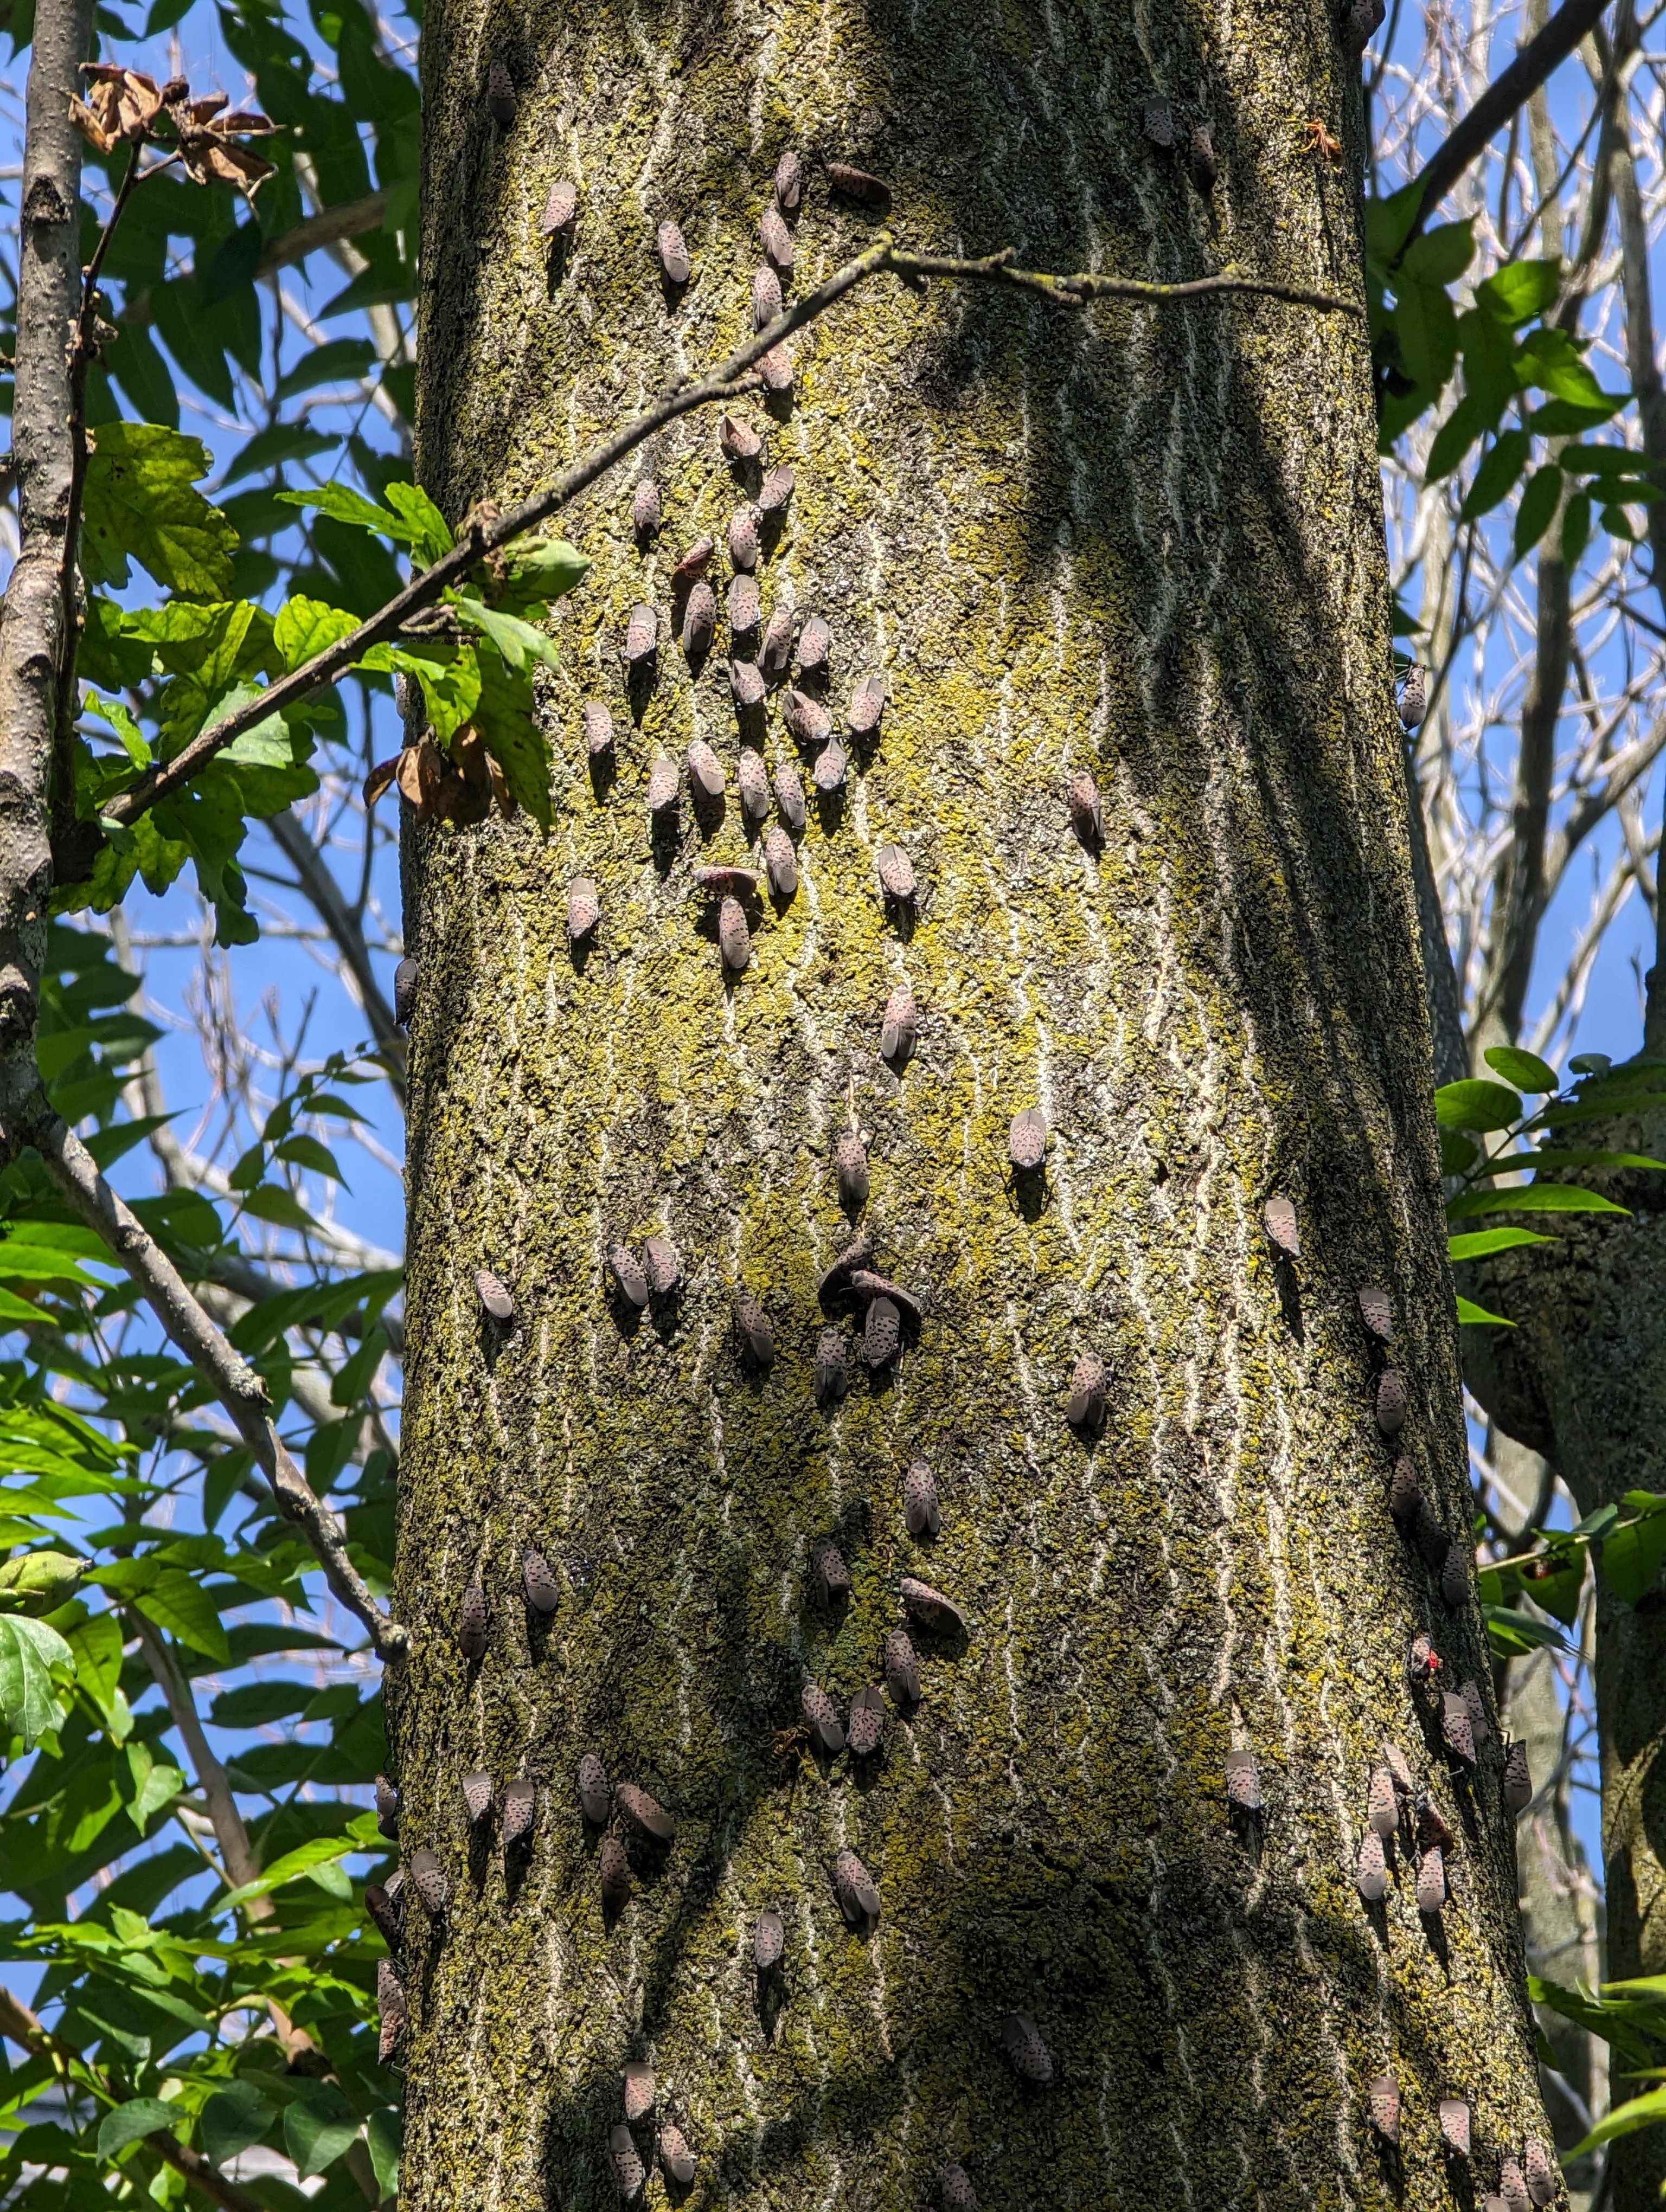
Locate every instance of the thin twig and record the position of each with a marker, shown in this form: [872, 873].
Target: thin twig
[483, 531]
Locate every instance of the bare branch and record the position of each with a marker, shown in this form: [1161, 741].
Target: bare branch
[350, 219]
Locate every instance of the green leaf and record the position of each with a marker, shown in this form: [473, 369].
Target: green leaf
[1647, 2111]
[270, 1202]
[178, 1602]
[1631, 1557]
[1478, 1316]
[1560, 418]
[450, 677]
[516, 640]
[1440, 256]
[516, 741]
[540, 569]
[1533, 518]
[1517, 293]
[340, 360]
[1554, 361]
[1474, 1104]
[132, 2122]
[322, 1850]
[1530, 1198]
[1512, 1633]
[1427, 330]
[1489, 365]
[1453, 439]
[426, 530]
[1524, 1069]
[1495, 478]
[306, 626]
[141, 500]
[1481, 1243]
[345, 505]
[316, 2133]
[1388, 221]
[385, 2133]
[234, 2119]
[28, 1652]
[277, 443]
[1575, 529]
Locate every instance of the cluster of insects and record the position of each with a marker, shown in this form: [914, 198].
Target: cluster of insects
[1402, 1816]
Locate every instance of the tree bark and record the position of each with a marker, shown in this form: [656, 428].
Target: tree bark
[1145, 544]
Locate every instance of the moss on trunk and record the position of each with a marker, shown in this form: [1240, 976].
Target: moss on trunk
[1148, 545]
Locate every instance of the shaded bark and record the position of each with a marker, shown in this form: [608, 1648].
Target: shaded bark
[1148, 544]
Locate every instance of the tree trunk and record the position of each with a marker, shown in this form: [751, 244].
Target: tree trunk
[1145, 543]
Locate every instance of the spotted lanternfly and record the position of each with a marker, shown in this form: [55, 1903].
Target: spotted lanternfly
[1157, 120]
[900, 1668]
[745, 612]
[639, 2090]
[1201, 165]
[645, 508]
[830, 1380]
[746, 685]
[1517, 1777]
[500, 96]
[584, 909]
[1358, 21]
[542, 1593]
[775, 368]
[404, 992]
[1279, 1215]
[789, 182]
[1422, 1660]
[628, 1273]
[477, 1794]
[753, 782]
[1432, 1879]
[471, 1623]
[673, 253]
[390, 2007]
[598, 731]
[777, 240]
[1371, 1872]
[743, 538]
[493, 1295]
[559, 209]
[821, 1719]
[675, 2156]
[807, 718]
[955, 2188]
[882, 1334]
[1087, 815]
[866, 1285]
[1476, 1706]
[1087, 1405]
[768, 1941]
[850, 1163]
[1390, 1401]
[614, 1869]
[1432, 1831]
[1455, 1578]
[594, 1793]
[1022, 2041]
[866, 1724]
[814, 643]
[1384, 2095]
[1377, 1312]
[1411, 699]
[1458, 1727]
[830, 1577]
[921, 1514]
[388, 1924]
[642, 634]
[387, 1806]
[519, 1803]
[693, 563]
[644, 1812]
[699, 620]
[430, 1883]
[1405, 1494]
[859, 1899]
[766, 297]
[900, 1030]
[896, 872]
[858, 185]
[1382, 1804]
[662, 786]
[737, 439]
[1512, 2186]
[831, 764]
[662, 1264]
[1432, 1539]
[628, 2169]
[1026, 1140]
[734, 938]
[1242, 1782]
[1454, 2125]
[776, 490]
[705, 770]
[781, 863]
[775, 653]
[1541, 2173]
[837, 1277]
[929, 1604]
[754, 1326]
[1395, 1759]
[867, 704]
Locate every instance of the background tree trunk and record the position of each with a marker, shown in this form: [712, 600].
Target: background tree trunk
[1146, 543]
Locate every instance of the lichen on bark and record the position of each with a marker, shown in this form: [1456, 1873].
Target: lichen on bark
[1148, 545]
